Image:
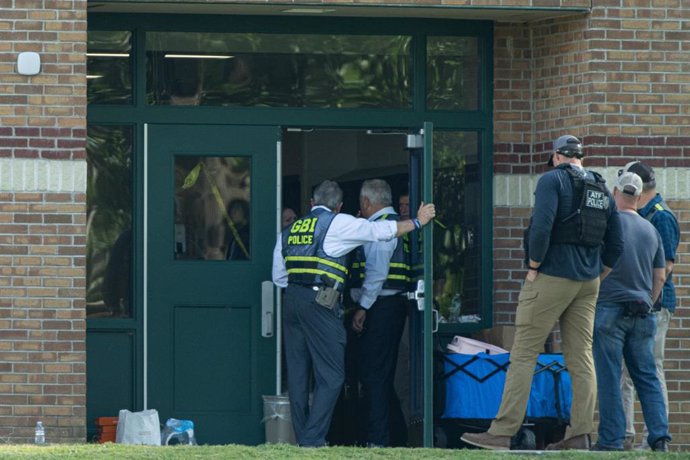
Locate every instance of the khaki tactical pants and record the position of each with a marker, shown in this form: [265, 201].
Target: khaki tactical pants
[541, 304]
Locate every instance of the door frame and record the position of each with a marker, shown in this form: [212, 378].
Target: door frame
[421, 190]
[138, 113]
[419, 146]
[429, 327]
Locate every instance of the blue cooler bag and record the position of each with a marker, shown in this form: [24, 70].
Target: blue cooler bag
[474, 386]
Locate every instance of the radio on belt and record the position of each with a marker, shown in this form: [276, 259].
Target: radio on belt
[328, 294]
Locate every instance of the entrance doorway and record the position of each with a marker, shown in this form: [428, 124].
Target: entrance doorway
[346, 156]
[339, 73]
[205, 352]
[351, 156]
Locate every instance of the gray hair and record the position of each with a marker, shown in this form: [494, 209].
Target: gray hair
[329, 194]
[377, 191]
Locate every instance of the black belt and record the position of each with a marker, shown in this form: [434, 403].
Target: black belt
[313, 287]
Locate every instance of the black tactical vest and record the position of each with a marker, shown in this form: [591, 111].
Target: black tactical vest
[306, 262]
[398, 268]
[586, 223]
[417, 270]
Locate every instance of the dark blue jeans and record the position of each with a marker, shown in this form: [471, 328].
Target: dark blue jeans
[617, 337]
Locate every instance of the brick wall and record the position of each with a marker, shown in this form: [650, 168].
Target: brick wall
[42, 228]
[618, 78]
[513, 100]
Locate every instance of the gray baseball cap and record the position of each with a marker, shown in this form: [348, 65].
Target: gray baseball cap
[629, 183]
[568, 146]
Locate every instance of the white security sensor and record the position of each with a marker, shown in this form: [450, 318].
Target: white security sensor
[28, 63]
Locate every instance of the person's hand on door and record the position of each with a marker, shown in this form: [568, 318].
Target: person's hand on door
[426, 212]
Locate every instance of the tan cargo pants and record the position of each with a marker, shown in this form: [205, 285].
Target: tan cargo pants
[541, 304]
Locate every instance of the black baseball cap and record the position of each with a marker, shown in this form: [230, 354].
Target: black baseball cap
[645, 172]
[568, 146]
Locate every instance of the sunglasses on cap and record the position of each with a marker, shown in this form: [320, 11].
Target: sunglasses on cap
[570, 151]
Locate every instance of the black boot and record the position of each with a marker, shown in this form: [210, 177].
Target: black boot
[660, 445]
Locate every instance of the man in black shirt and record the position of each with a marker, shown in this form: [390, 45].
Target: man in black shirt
[565, 263]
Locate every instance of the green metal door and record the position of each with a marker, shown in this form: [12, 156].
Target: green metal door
[430, 327]
[422, 322]
[210, 226]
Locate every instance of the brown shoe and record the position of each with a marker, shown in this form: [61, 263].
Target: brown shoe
[580, 442]
[629, 443]
[487, 441]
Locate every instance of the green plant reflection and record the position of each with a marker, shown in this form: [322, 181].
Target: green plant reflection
[109, 221]
[278, 70]
[456, 230]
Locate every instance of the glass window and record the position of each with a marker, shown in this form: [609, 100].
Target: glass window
[109, 221]
[279, 70]
[212, 202]
[457, 229]
[108, 67]
[453, 73]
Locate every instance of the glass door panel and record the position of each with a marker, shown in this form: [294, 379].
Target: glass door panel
[211, 204]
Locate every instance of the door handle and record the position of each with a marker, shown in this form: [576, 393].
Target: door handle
[267, 309]
[419, 295]
[434, 321]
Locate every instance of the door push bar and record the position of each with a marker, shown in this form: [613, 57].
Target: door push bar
[417, 295]
[266, 309]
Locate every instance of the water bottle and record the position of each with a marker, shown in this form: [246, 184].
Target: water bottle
[455, 307]
[40, 435]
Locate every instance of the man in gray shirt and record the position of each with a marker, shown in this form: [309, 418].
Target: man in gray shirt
[624, 325]
[653, 208]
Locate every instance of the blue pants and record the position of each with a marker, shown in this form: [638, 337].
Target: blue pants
[314, 347]
[618, 338]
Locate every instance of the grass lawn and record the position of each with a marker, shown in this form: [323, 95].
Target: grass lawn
[280, 451]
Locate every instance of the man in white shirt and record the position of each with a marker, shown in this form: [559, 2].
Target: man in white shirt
[309, 260]
[379, 277]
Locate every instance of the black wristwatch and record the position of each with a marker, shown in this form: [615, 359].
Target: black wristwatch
[529, 267]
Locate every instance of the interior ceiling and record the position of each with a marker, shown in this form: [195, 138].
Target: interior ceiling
[333, 10]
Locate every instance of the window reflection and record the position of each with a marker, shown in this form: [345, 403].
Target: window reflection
[453, 73]
[278, 70]
[212, 208]
[457, 230]
[109, 222]
[108, 64]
